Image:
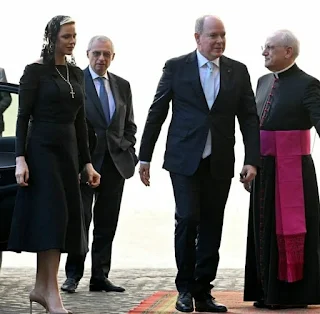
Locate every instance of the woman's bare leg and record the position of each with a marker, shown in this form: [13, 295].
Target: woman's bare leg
[46, 288]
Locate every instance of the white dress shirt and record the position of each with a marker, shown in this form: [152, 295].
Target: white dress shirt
[203, 71]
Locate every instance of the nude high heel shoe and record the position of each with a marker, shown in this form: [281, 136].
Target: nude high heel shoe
[37, 299]
[31, 301]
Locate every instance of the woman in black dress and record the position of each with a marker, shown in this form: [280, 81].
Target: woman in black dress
[51, 130]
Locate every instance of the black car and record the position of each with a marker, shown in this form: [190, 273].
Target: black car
[8, 186]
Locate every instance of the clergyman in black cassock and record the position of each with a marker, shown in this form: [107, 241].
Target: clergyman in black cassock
[283, 244]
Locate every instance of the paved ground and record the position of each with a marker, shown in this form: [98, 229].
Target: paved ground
[15, 284]
[143, 252]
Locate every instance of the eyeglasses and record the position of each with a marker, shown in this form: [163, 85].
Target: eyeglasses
[106, 54]
[271, 47]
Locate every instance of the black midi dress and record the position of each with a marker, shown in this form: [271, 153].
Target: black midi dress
[51, 133]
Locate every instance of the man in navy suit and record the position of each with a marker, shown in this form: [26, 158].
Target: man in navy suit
[110, 113]
[207, 91]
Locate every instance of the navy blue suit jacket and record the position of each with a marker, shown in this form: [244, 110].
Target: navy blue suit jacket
[192, 119]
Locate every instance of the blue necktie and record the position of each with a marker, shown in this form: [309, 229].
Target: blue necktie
[103, 95]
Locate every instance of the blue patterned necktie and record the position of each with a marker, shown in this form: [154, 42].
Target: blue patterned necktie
[103, 95]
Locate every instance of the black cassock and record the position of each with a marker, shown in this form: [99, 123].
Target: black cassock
[295, 105]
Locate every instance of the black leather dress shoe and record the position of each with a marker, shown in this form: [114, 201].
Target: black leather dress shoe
[70, 285]
[210, 305]
[184, 302]
[260, 304]
[105, 285]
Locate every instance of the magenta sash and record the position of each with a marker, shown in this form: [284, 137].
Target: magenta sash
[288, 147]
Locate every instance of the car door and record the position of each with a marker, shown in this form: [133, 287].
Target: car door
[8, 186]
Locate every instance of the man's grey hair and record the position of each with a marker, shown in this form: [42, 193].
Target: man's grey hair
[200, 23]
[287, 39]
[100, 38]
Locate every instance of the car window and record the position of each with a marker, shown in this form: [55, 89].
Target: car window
[8, 118]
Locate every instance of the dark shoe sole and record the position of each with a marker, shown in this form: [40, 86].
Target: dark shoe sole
[184, 310]
[211, 311]
[68, 290]
[260, 305]
[96, 289]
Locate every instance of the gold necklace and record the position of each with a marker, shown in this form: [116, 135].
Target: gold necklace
[67, 80]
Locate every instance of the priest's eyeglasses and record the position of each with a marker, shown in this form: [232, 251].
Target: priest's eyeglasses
[271, 47]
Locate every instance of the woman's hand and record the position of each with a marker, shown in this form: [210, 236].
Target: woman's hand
[92, 175]
[22, 171]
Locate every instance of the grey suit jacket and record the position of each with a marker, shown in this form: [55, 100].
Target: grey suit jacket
[119, 137]
[5, 99]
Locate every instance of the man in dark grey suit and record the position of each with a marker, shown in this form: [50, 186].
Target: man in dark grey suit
[109, 110]
[5, 100]
[207, 91]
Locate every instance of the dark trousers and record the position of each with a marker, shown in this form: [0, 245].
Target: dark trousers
[200, 202]
[107, 201]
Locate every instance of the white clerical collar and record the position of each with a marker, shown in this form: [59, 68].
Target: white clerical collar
[276, 74]
[202, 60]
[95, 75]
